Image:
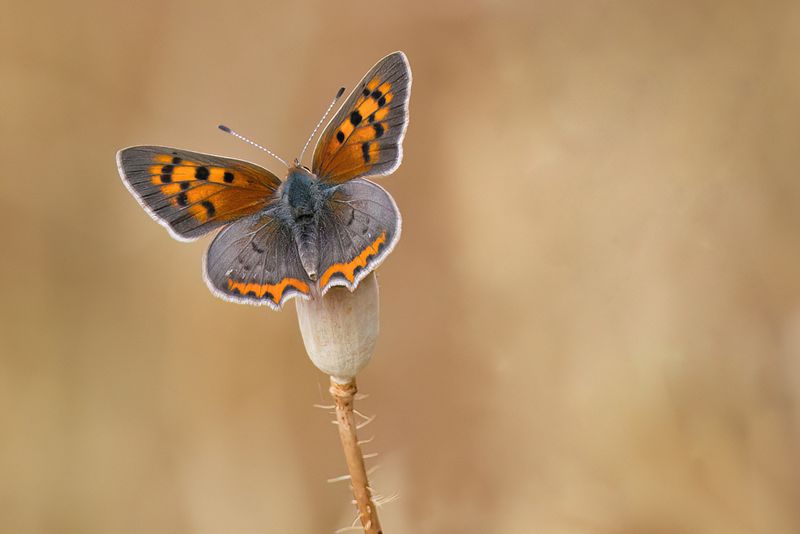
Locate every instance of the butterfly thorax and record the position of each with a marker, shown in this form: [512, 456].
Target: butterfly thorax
[301, 199]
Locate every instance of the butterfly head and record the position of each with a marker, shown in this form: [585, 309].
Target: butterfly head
[301, 194]
[299, 165]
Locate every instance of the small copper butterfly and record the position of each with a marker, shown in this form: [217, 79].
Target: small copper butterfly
[320, 227]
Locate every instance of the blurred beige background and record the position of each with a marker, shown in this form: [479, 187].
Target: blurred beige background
[590, 325]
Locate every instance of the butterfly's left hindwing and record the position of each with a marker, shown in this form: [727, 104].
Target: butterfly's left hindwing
[255, 261]
[192, 193]
[358, 226]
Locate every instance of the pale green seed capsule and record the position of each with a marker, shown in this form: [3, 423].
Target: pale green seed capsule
[340, 329]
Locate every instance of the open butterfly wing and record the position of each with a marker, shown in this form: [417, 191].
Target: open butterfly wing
[365, 136]
[255, 261]
[192, 193]
[359, 226]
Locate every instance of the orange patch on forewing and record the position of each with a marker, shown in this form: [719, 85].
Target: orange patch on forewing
[170, 189]
[350, 163]
[155, 174]
[346, 128]
[182, 173]
[381, 114]
[218, 175]
[349, 269]
[163, 158]
[333, 145]
[361, 135]
[198, 193]
[260, 290]
[374, 152]
[368, 107]
[369, 88]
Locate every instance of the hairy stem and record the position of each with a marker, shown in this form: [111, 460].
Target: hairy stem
[343, 395]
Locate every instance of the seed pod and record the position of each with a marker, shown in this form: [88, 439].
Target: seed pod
[340, 329]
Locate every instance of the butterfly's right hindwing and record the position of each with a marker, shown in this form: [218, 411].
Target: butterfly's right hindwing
[358, 227]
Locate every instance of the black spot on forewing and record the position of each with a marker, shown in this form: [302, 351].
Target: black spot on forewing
[185, 186]
[378, 129]
[355, 118]
[201, 173]
[182, 199]
[176, 160]
[365, 151]
[228, 177]
[210, 209]
[166, 174]
[340, 136]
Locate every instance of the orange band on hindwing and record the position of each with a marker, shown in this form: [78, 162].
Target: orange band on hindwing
[273, 291]
[348, 270]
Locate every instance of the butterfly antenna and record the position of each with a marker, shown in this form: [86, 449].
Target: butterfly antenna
[310, 137]
[243, 138]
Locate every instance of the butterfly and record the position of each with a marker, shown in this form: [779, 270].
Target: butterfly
[320, 227]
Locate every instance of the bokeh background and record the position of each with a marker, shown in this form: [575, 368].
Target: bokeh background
[590, 325]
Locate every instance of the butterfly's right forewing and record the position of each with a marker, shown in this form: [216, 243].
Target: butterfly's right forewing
[365, 137]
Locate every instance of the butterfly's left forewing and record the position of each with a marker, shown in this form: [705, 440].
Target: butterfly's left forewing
[192, 193]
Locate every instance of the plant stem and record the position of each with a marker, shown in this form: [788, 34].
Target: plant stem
[343, 395]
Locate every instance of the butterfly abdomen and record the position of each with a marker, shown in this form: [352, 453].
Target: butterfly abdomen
[306, 237]
[302, 197]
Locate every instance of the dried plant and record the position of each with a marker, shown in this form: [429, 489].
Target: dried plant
[339, 332]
